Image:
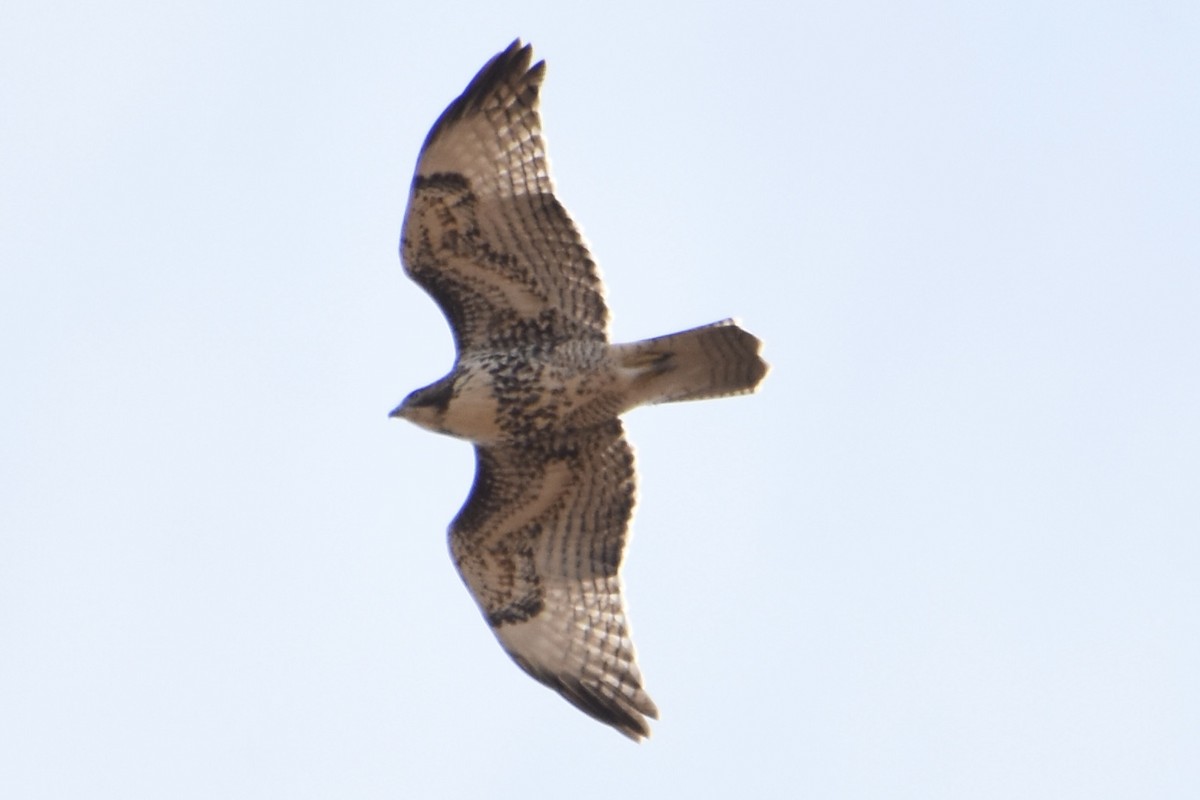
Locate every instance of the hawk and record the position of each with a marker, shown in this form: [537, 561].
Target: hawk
[539, 389]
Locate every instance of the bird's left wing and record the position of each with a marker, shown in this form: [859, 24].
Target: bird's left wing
[539, 544]
[484, 233]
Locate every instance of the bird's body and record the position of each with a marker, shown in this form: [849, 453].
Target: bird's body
[538, 388]
[530, 390]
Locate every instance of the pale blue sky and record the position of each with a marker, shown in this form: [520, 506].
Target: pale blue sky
[950, 551]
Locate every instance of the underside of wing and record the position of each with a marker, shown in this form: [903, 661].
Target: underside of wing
[484, 233]
[539, 544]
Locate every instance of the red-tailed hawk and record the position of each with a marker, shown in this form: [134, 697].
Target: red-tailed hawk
[538, 388]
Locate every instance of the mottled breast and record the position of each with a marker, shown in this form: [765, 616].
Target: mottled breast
[526, 392]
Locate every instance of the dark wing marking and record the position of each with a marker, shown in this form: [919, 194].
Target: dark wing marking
[484, 234]
[539, 544]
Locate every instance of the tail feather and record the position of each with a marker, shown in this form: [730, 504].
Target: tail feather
[710, 361]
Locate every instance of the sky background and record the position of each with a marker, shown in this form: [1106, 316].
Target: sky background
[949, 551]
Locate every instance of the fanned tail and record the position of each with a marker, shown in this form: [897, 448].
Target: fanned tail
[710, 361]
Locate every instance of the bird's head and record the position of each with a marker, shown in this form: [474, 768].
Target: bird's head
[427, 406]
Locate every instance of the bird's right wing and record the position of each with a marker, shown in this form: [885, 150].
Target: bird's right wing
[539, 544]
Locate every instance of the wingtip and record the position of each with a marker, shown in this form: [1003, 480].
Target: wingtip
[516, 49]
[511, 65]
[627, 709]
[627, 715]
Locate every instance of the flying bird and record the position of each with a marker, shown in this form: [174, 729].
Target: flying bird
[539, 389]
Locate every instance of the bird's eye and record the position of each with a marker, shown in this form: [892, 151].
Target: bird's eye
[434, 396]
